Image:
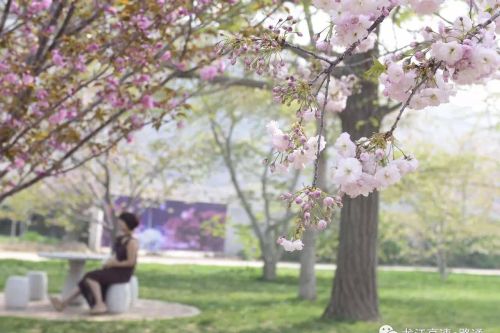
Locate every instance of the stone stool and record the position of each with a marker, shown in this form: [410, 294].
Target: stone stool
[134, 290]
[37, 285]
[118, 298]
[17, 292]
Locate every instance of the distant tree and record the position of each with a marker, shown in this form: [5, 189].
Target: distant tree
[235, 141]
[447, 207]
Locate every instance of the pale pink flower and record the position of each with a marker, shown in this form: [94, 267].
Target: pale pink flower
[387, 175]
[450, 52]
[424, 7]
[309, 115]
[363, 186]
[299, 159]
[348, 171]
[322, 45]
[280, 140]
[311, 146]
[344, 146]
[395, 72]
[328, 201]
[298, 245]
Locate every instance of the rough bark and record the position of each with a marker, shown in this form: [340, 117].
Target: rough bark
[269, 268]
[354, 294]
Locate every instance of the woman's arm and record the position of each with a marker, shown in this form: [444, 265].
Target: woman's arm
[132, 249]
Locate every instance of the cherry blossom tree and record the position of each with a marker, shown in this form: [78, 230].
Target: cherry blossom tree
[463, 222]
[457, 51]
[77, 77]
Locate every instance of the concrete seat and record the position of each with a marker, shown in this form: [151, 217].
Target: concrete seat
[134, 290]
[37, 285]
[118, 297]
[17, 292]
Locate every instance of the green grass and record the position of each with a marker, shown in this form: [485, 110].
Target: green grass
[29, 237]
[234, 300]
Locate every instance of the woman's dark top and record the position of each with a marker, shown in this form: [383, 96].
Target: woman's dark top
[108, 276]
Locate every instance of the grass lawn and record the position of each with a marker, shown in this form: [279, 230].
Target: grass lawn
[234, 300]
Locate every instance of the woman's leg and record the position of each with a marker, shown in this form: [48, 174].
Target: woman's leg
[72, 295]
[60, 304]
[95, 287]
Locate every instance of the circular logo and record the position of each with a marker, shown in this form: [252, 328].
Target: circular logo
[386, 329]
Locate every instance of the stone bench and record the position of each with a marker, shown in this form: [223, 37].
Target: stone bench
[37, 285]
[17, 292]
[120, 297]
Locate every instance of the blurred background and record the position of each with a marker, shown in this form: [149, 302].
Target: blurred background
[210, 216]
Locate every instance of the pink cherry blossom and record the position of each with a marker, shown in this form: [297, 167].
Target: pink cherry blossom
[423, 7]
[166, 56]
[57, 58]
[348, 171]
[147, 102]
[344, 146]
[208, 73]
[28, 79]
[328, 201]
[388, 175]
[322, 224]
[19, 162]
[280, 140]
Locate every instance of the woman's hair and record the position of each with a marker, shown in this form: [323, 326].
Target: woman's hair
[130, 220]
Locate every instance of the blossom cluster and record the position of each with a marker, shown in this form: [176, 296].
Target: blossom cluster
[459, 53]
[290, 245]
[360, 168]
[261, 53]
[424, 74]
[294, 149]
[350, 22]
[316, 209]
[210, 72]
[338, 92]
[368, 165]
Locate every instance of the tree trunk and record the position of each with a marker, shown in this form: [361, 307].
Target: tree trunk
[307, 281]
[269, 269]
[13, 225]
[442, 266]
[354, 294]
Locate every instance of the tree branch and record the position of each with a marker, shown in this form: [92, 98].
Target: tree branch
[5, 14]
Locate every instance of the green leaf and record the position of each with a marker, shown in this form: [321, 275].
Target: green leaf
[402, 16]
[375, 71]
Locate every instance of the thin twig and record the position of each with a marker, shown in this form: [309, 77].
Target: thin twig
[408, 100]
[5, 14]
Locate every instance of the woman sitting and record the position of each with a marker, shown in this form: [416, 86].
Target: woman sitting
[118, 269]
